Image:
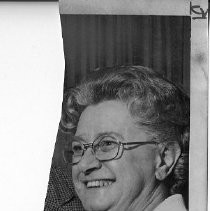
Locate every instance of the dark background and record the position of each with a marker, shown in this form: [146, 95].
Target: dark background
[95, 41]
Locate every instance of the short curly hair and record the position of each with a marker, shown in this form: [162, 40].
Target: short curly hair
[153, 102]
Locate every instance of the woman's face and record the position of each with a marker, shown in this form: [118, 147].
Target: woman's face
[121, 183]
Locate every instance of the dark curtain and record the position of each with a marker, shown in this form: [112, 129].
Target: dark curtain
[95, 41]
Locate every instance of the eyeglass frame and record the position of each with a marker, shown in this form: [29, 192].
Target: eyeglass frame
[90, 145]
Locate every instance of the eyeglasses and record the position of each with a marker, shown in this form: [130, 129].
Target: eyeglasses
[104, 148]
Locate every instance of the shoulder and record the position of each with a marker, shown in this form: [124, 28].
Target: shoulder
[60, 194]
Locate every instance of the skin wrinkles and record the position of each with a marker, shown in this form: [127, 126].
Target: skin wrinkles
[135, 186]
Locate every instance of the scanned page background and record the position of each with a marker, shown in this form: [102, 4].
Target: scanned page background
[31, 88]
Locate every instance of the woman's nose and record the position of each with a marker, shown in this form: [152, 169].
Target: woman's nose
[89, 162]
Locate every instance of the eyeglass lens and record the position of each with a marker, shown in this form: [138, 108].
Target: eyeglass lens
[105, 148]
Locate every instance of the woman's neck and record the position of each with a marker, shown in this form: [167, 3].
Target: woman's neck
[149, 201]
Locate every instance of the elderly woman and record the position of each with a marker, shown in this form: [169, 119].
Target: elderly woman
[129, 151]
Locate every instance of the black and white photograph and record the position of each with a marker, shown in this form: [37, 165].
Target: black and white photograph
[106, 105]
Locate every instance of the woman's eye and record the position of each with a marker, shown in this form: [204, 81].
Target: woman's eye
[77, 148]
[106, 145]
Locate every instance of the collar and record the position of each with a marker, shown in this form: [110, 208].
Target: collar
[172, 203]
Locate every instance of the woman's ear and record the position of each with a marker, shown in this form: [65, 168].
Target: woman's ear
[167, 156]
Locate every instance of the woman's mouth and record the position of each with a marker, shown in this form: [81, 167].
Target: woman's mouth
[99, 183]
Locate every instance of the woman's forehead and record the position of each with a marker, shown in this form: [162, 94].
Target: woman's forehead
[106, 117]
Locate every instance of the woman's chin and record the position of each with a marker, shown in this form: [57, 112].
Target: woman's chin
[98, 200]
[96, 206]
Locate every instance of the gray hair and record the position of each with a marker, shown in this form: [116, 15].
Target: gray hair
[153, 102]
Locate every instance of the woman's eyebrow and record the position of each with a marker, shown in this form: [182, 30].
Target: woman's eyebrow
[109, 133]
[81, 138]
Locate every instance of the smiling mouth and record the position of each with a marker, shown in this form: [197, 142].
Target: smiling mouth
[99, 183]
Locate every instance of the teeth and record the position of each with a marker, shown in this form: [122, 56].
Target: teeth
[99, 183]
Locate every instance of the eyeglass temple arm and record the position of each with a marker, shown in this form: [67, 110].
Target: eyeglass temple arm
[140, 143]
